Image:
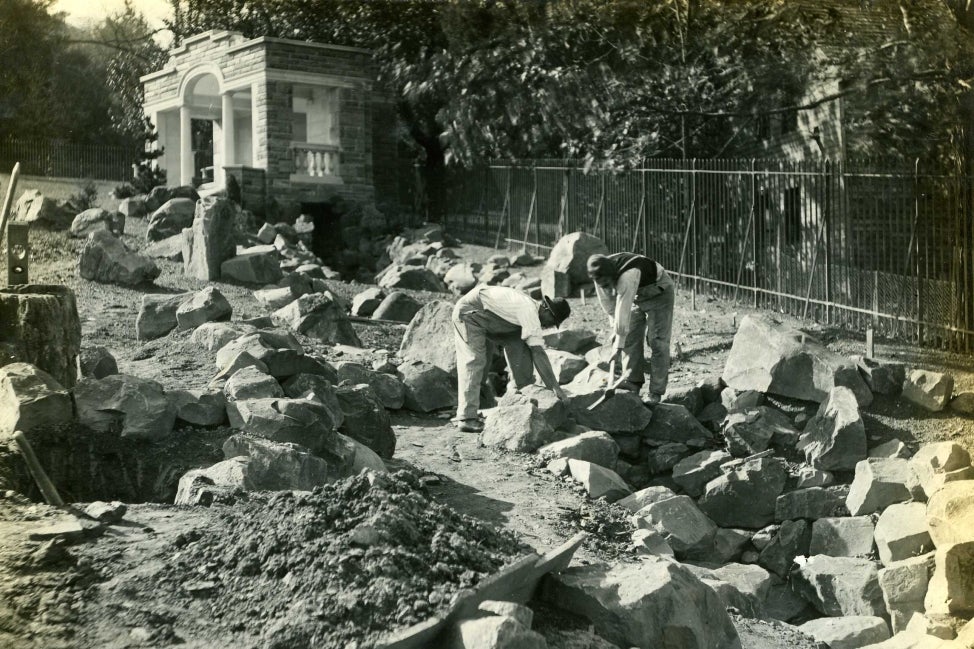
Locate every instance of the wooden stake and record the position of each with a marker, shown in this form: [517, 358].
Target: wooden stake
[8, 200]
[870, 345]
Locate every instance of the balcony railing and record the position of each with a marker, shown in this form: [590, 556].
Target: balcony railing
[315, 160]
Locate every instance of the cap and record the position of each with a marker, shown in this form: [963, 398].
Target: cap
[558, 307]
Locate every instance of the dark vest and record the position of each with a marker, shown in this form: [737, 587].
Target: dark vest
[624, 261]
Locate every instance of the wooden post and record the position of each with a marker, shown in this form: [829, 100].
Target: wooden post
[18, 253]
[8, 200]
[505, 210]
[870, 345]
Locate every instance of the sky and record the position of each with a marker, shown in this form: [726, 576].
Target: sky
[82, 11]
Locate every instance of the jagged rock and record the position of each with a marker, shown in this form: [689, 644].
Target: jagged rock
[34, 207]
[930, 390]
[400, 276]
[737, 401]
[694, 472]
[847, 536]
[901, 532]
[316, 388]
[97, 218]
[648, 604]
[598, 481]
[174, 215]
[276, 466]
[205, 486]
[730, 544]
[894, 448]
[951, 588]
[838, 586]
[522, 428]
[645, 497]
[594, 446]
[389, 389]
[30, 398]
[301, 421]
[565, 365]
[904, 584]
[157, 316]
[494, 632]
[950, 514]
[751, 430]
[170, 248]
[690, 397]
[366, 419]
[882, 377]
[554, 412]
[933, 463]
[681, 523]
[674, 423]
[365, 302]
[791, 541]
[206, 305]
[252, 266]
[397, 306]
[878, 483]
[661, 459]
[429, 337]
[320, 316]
[809, 476]
[277, 297]
[199, 407]
[811, 503]
[769, 357]
[209, 240]
[136, 407]
[97, 362]
[745, 496]
[133, 206]
[566, 266]
[847, 632]
[835, 438]
[428, 387]
[572, 341]
[104, 258]
[251, 383]
[963, 403]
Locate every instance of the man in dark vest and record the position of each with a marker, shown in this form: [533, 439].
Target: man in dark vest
[637, 294]
[489, 315]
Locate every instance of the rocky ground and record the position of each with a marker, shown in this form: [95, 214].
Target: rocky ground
[144, 584]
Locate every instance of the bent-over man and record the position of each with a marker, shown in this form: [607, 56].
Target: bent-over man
[489, 315]
[637, 294]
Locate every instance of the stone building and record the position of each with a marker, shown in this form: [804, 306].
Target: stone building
[299, 125]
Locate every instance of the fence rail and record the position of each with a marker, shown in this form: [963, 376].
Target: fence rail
[62, 160]
[855, 245]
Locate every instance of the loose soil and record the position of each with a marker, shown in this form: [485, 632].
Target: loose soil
[224, 576]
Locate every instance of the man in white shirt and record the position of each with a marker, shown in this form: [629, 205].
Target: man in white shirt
[489, 315]
[638, 295]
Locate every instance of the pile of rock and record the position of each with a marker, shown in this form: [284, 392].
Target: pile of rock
[786, 517]
[423, 259]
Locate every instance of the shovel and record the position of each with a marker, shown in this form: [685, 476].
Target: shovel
[611, 389]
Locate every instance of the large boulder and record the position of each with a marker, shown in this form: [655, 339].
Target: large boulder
[171, 218]
[655, 602]
[366, 419]
[746, 495]
[133, 406]
[157, 315]
[429, 337]
[31, 398]
[34, 207]
[772, 358]
[104, 258]
[838, 586]
[566, 265]
[210, 240]
[835, 438]
[321, 316]
[97, 218]
[256, 265]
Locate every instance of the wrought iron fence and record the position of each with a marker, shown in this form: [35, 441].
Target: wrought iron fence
[887, 246]
[62, 160]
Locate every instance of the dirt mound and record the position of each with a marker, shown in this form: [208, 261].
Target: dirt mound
[336, 567]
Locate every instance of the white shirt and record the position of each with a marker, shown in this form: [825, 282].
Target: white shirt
[619, 306]
[517, 308]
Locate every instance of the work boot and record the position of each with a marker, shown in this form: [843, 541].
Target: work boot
[470, 426]
[653, 399]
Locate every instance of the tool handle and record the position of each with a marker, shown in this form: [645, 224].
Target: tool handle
[37, 471]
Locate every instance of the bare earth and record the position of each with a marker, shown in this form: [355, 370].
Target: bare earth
[97, 595]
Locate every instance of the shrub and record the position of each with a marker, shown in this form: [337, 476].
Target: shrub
[85, 198]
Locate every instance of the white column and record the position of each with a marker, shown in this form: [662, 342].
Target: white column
[255, 118]
[229, 134]
[186, 162]
[157, 121]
